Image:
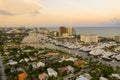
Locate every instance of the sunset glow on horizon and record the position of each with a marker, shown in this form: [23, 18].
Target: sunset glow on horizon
[58, 12]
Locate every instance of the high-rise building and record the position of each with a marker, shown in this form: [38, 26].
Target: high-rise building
[117, 38]
[70, 31]
[89, 38]
[62, 30]
[66, 31]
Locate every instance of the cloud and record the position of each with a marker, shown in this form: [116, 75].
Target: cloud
[35, 12]
[3, 12]
[20, 7]
[115, 21]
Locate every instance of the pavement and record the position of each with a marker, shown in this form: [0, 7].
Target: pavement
[2, 72]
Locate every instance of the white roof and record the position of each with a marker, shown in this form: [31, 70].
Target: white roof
[87, 76]
[71, 59]
[11, 62]
[26, 59]
[40, 64]
[28, 50]
[34, 65]
[21, 60]
[103, 78]
[52, 72]
[118, 57]
[82, 78]
[116, 75]
[70, 68]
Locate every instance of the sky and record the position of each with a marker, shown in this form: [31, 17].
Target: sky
[83, 13]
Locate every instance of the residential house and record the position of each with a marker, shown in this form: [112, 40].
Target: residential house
[81, 77]
[70, 69]
[51, 54]
[79, 63]
[52, 72]
[40, 64]
[63, 69]
[22, 76]
[11, 62]
[34, 65]
[43, 76]
[70, 59]
[116, 76]
[88, 76]
[103, 78]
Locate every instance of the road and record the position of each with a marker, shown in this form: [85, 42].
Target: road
[2, 72]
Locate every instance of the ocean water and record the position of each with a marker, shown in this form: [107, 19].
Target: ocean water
[100, 31]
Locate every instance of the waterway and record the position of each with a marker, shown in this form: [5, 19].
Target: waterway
[80, 53]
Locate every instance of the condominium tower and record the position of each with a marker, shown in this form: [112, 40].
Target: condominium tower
[89, 38]
[117, 38]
